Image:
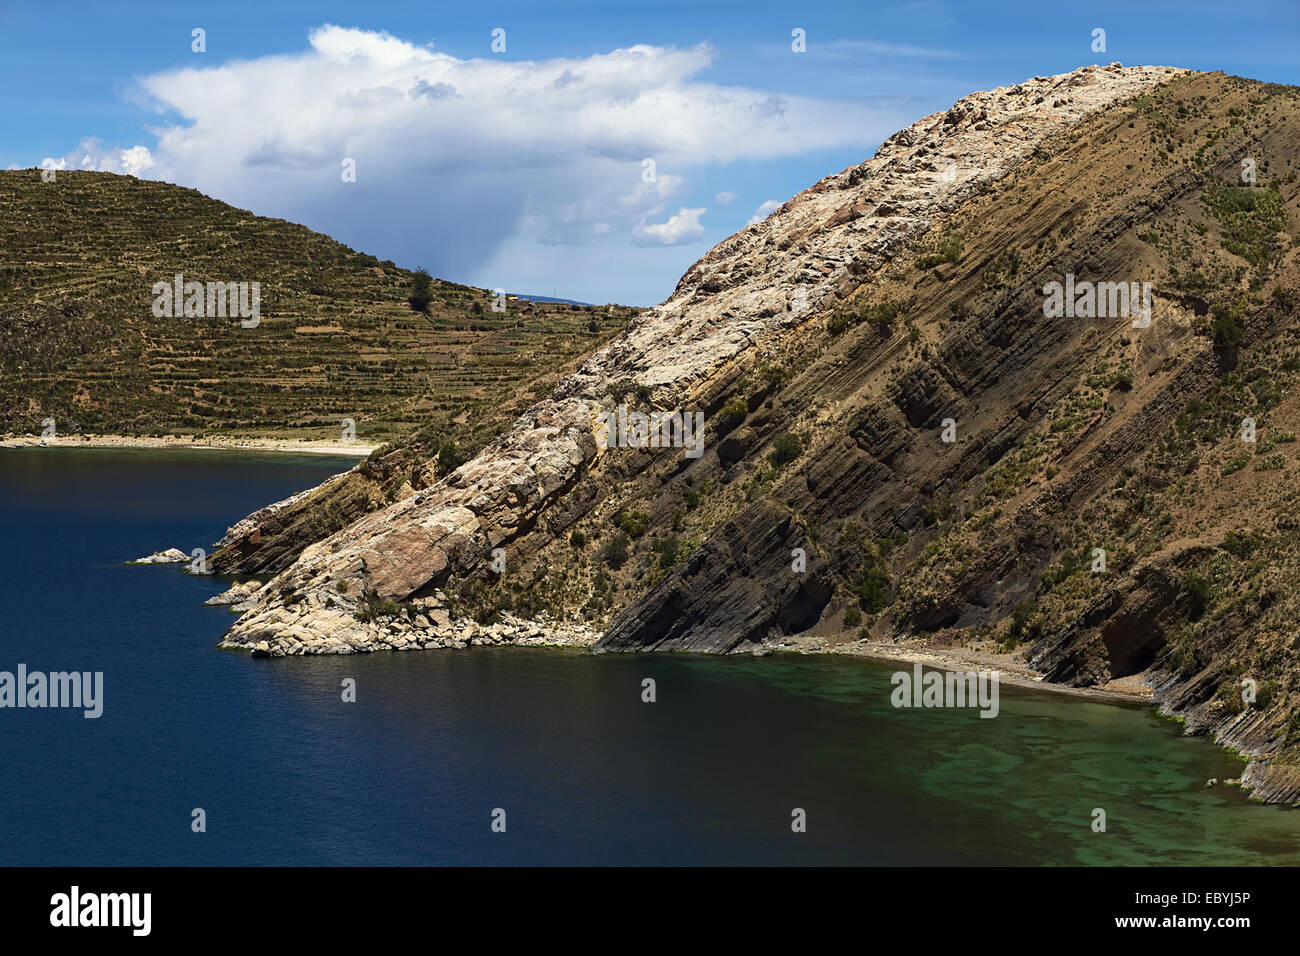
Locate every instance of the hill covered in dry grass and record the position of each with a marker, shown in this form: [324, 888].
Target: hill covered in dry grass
[337, 337]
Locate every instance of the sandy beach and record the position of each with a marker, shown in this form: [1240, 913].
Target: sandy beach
[1012, 667]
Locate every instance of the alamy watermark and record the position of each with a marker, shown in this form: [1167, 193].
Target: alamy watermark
[213, 300]
[946, 689]
[129, 910]
[1100, 300]
[56, 689]
[657, 429]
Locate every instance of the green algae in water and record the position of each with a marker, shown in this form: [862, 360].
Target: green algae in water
[1022, 788]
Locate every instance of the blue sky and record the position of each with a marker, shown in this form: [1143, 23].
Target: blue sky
[525, 168]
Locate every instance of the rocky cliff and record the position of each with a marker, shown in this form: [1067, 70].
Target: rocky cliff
[906, 438]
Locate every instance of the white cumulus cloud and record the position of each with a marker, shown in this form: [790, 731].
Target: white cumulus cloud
[764, 210]
[458, 160]
[91, 155]
[683, 226]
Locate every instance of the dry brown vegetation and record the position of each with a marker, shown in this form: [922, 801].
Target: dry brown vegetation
[337, 339]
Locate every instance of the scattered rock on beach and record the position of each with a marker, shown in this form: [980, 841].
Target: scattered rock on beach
[236, 596]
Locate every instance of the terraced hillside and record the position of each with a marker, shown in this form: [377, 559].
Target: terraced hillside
[337, 337]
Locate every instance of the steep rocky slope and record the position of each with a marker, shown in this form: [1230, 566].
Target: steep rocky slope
[904, 439]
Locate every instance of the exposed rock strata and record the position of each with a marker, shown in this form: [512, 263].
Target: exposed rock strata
[1071, 432]
[755, 286]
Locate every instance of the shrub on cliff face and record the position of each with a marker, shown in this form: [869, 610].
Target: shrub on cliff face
[948, 250]
[841, 321]
[1240, 544]
[616, 551]
[373, 606]
[1235, 465]
[1226, 324]
[450, 457]
[1266, 694]
[1001, 270]
[1198, 593]
[629, 391]
[774, 376]
[939, 508]
[732, 414]
[668, 549]
[632, 523]
[874, 590]
[879, 315]
[1023, 625]
[874, 587]
[1251, 218]
[1228, 698]
[786, 447]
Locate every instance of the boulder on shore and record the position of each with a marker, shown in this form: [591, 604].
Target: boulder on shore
[236, 596]
[170, 556]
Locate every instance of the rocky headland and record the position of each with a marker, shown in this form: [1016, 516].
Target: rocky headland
[905, 446]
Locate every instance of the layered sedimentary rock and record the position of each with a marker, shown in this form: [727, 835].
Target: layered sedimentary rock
[763, 282]
[904, 440]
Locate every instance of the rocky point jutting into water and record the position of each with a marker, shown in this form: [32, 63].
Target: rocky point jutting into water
[904, 440]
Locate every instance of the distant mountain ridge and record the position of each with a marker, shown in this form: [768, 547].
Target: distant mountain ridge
[546, 298]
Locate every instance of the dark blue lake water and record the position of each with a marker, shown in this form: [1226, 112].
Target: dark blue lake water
[411, 773]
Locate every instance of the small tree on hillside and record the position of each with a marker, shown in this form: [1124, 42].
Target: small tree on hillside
[450, 457]
[421, 291]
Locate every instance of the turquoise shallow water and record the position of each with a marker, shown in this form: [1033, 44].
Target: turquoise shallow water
[586, 772]
[1022, 788]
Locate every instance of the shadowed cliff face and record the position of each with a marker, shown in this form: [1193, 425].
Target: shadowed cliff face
[738, 588]
[906, 439]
